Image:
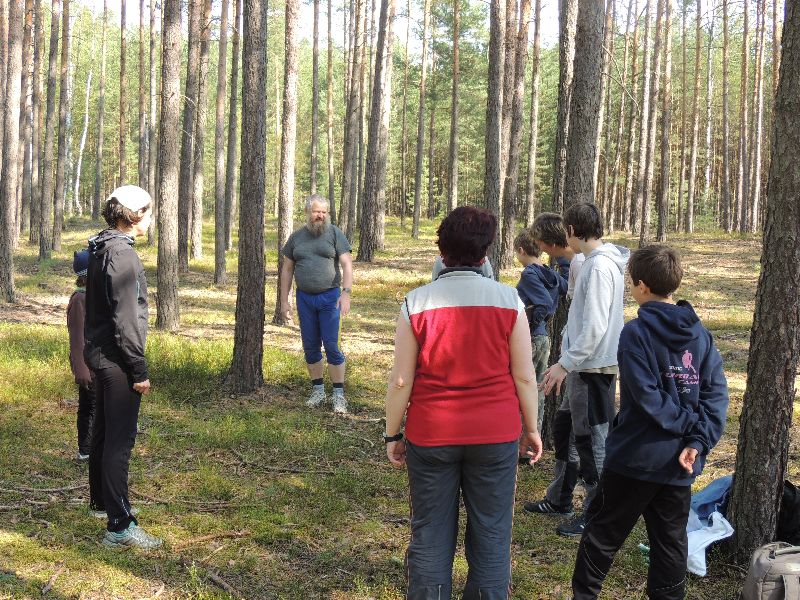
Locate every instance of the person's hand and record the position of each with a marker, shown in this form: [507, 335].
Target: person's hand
[286, 311]
[143, 387]
[396, 451]
[84, 382]
[687, 458]
[343, 303]
[530, 446]
[554, 376]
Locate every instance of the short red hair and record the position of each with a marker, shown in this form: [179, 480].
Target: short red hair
[465, 235]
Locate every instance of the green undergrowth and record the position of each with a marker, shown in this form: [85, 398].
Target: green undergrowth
[256, 493]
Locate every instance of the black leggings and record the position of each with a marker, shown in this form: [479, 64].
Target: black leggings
[85, 417]
[113, 436]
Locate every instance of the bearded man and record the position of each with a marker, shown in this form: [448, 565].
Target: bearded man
[318, 255]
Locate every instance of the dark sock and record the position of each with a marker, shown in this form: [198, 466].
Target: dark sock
[319, 382]
[339, 386]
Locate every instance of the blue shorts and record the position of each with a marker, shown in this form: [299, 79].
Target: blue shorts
[319, 325]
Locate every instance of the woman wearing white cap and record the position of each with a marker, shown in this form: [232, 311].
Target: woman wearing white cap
[116, 331]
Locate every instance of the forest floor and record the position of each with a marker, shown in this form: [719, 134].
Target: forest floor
[256, 494]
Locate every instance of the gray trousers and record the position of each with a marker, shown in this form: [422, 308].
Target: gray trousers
[541, 356]
[580, 429]
[486, 475]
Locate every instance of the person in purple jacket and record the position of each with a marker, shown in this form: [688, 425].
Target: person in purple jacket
[673, 406]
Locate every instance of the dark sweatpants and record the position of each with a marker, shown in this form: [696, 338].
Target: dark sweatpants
[610, 518]
[85, 417]
[113, 436]
[486, 475]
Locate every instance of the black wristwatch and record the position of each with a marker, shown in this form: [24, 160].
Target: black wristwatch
[347, 290]
[393, 438]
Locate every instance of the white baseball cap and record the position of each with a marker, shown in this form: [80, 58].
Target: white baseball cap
[131, 197]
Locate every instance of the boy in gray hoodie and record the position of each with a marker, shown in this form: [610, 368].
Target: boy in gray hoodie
[587, 366]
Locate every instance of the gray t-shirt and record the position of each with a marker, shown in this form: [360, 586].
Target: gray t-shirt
[316, 259]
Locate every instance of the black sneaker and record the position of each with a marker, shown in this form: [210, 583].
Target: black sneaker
[545, 507]
[573, 527]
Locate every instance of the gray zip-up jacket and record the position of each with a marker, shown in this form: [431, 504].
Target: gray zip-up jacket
[595, 317]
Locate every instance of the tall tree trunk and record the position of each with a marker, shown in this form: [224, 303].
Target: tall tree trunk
[356, 207]
[585, 104]
[63, 103]
[123, 91]
[530, 186]
[688, 221]
[46, 230]
[36, 130]
[568, 14]
[776, 47]
[403, 127]
[494, 109]
[151, 128]
[709, 150]
[727, 221]
[452, 155]
[605, 103]
[662, 200]
[3, 56]
[758, 118]
[288, 143]
[101, 109]
[200, 134]
[83, 141]
[315, 100]
[613, 206]
[25, 140]
[186, 184]
[246, 373]
[652, 127]
[350, 162]
[231, 166]
[511, 186]
[432, 130]
[167, 308]
[219, 151]
[386, 115]
[740, 217]
[421, 120]
[764, 428]
[682, 169]
[9, 177]
[375, 172]
[508, 101]
[329, 118]
[66, 200]
[143, 141]
[627, 197]
[644, 121]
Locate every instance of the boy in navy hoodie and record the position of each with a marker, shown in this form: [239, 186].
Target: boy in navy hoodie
[539, 288]
[673, 405]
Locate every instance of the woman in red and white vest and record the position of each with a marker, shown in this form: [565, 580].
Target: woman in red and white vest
[462, 377]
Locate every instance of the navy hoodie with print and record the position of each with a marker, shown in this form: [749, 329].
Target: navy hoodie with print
[673, 395]
[539, 288]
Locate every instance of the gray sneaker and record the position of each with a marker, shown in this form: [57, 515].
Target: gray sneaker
[133, 537]
[339, 403]
[316, 398]
[101, 514]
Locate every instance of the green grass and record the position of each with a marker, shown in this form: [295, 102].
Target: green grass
[321, 513]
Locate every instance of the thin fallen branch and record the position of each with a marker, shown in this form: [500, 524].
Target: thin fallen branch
[220, 582]
[248, 463]
[211, 536]
[49, 585]
[355, 437]
[25, 489]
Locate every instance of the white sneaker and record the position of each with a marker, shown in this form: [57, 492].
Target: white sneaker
[317, 397]
[339, 403]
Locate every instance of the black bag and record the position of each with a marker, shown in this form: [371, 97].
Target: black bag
[789, 515]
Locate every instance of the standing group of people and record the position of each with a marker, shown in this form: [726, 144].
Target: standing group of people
[469, 379]
[469, 355]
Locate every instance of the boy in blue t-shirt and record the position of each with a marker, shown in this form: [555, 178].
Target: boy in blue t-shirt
[539, 288]
[673, 405]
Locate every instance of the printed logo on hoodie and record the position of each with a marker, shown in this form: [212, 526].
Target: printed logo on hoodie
[685, 375]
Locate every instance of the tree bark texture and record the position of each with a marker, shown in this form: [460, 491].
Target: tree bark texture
[682, 169]
[421, 120]
[231, 166]
[403, 125]
[167, 309]
[46, 230]
[123, 91]
[36, 132]
[452, 154]
[508, 101]
[568, 14]
[315, 99]
[151, 128]
[329, 118]
[97, 196]
[688, 221]
[186, 183]
[82, 145]
[10, 162]
[63, 104]
[25, 140]
[143, 141]
[200, 134]
[288, 143]
[605, 104]
[765, 423]
[709, 146]
[530, 187]
[643, 129]
[350, 162]
[626, 201]
[585, 104]
[494, 109]
[219, 151]
[662, 200]
[727, 208]
[758, 120]
[246, 373]
[740, 216]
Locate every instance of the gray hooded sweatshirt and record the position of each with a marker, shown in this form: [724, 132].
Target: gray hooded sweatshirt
[595, 316]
